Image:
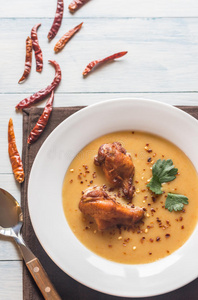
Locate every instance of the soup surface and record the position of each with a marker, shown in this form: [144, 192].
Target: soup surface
[160, 232]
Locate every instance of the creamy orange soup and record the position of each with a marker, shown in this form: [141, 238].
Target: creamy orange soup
[161, 232]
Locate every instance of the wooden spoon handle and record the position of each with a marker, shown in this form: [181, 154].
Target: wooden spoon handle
[42, 280]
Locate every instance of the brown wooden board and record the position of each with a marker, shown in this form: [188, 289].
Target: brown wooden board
[68, 288]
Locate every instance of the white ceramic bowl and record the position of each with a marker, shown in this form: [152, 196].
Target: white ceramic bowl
[45, 197]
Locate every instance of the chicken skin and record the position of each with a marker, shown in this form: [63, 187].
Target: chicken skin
[117, 166]
[106, 211]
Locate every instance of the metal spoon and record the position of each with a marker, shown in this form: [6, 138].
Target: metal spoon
[11, 221]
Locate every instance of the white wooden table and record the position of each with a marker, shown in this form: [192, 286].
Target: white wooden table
[161, 37]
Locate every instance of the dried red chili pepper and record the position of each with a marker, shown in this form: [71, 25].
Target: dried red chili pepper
[66, 37]
[94, 63]
[28, 59]
[76, 4]
[37, 48]
[57, 20]
[42, 121]
[27, 102]
[15, 159]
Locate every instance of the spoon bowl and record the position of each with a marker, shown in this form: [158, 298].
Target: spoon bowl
[11, 217]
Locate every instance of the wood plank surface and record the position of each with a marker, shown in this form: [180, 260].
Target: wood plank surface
[162, 55]
[11, 280]
[161, 64]
[103, 8]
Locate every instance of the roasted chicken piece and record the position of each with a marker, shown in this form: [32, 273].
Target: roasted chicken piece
[96, 203]
[117, 166]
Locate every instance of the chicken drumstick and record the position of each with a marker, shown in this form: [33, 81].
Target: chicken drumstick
[106, 211]
[117, 166]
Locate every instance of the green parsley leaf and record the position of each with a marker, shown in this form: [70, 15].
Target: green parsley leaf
[163, 171]
[155, 185]
[175, 202]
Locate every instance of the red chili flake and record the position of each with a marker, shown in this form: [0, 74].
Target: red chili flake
[91, 181]
[28, 60]
[151, 240]
[27, 102]
[94, 63]
[142, 239]
[37, 48]
[94, 175]
[149, 159]
[72, 181]
[181, 218]
[150, 253]
[76, 4]
[42, 121]
[127, 240]
[110, 246]
[149, 150]
[57, 20]
[167, 235]
[182, 227]
[66, 37]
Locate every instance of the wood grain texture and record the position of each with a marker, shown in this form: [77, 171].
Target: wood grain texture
[41, 278]
[11, 280]
[162, 64]
[162, 55]
[103, 8]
